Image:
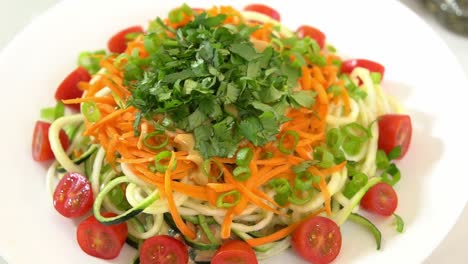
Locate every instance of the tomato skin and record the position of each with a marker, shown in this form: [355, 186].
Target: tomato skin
[318, 240]
[73, 196]
[163, 249]
[41, 150]
[118, 43]
[313, 33]
[99, 240]
[68, 88]
[395, 130]
[380, 199]
[349, 65]
[235, 252]
[264, 9]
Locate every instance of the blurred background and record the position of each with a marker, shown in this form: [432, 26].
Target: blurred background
[446, 18]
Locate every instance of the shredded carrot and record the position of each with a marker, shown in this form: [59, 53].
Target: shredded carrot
[184, 229]
[103, 99]
[114, 132]
[323, 188]
[226, 226]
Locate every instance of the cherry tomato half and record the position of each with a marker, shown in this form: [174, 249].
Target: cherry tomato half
[41, 150]
[349, 65]
[73, 196]
[163, 249]
[380, 199]
[235, 252]
[313, 33]
[69, 89]
[395, 130]
[118, 42]
[318, 240]
[264, 9]
[99, 240]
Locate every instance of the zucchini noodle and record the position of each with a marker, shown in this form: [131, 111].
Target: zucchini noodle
[143, 201]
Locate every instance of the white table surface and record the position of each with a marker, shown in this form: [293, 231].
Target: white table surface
[16, 14]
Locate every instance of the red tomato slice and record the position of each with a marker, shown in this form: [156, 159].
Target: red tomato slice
[118, 42]
[73, 196]
[264, 9]
[101, 241]
[163, 249]
[313, 33]
[235, 252]
[349, 65]
[395, 130]
[318, 240]
[380, 199]
[41, 150]
[69, 89]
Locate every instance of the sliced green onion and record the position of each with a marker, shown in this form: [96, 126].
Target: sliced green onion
[176, 15]
[132, 35]
[358, 181]
[282, 188]
[356, 131]
[376, 77]
[400, 224]
[206, 168]
[337, 63]
[91, 111]
[48, 114]
[339, 155]
[352, 147]
[394, 153]
[90, 60]
[234, 194]
[118, 100]
[53, 113]
[325, 157]
[161, 156]
[334, 138]
[381, 160]
[283, 148]
[294, 199]
[59, 110]
[280, 185]
[391, 175]
[241, 173]
[361, 220]
[303, 181]
[331, 48]
[266, 155]
[206, 229]
[155, 134]
[244, 156]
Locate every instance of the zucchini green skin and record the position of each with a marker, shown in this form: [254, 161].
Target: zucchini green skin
[93, 148]
[132, 242]
[83, 158]
[129, 214]
[136, 260]
[245, 236]
[361, 220]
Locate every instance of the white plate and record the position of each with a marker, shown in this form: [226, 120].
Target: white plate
[421, 72]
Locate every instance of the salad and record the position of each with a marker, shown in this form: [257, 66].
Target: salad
[221, 136]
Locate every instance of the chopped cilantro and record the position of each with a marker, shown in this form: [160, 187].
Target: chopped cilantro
[208, 79]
